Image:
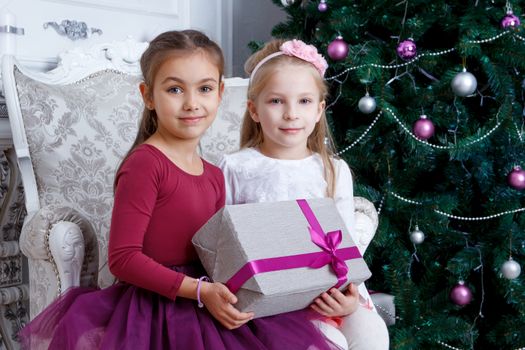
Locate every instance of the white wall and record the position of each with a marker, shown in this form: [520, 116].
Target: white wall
[252, 20]
[215, 19]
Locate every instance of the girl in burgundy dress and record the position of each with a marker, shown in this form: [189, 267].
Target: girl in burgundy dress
[164, 192]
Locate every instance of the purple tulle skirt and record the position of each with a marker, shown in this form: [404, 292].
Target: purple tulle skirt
[127, 317]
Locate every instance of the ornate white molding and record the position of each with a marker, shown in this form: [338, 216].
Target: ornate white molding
[13, 294]
[77, 63]
[66, 244]
[72, 29]
[9, 248]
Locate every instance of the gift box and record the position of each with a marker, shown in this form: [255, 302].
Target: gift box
[278, 257]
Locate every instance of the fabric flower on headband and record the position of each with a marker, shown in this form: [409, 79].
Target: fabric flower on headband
[305, 52]
[299, 49]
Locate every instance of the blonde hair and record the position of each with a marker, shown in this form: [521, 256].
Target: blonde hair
[164, 46]
[320, 140]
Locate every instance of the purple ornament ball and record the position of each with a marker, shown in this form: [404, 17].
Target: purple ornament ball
[338, 49]
[516, 178]
[423, 128]
[510, 21]
[461, 294]
[407, 49]
[323, 6]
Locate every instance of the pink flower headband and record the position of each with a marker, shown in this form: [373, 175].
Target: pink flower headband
[299, 49]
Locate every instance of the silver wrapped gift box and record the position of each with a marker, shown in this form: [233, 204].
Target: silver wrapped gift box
[278, 257]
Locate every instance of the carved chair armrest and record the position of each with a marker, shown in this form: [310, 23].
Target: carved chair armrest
[366, 221]
[64, 238]
[385, 307]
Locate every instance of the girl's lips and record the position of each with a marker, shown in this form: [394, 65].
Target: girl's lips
[290, 130]
[191, 120]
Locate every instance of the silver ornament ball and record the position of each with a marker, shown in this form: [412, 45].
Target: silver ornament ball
[510, 269]
[464, 83]
[417, 236]
[287, 3]
[367, 104]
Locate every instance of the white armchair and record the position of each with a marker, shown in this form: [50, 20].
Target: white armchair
[71, 128]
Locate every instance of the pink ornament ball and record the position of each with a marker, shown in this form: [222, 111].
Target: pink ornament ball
[407, 49]
[323, 6]
[516, 178]
[423, 128]
[461, 294]
[338, 49]
[510, 21]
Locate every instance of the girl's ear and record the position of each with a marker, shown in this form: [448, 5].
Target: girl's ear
[253, 111]
[320, 110]
[221, 89]
[146, 96]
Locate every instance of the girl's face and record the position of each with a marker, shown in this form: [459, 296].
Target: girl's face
[186, 93]
[288, 108]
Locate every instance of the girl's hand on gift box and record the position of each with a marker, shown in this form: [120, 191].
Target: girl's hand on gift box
[218, 300]
[335, 303]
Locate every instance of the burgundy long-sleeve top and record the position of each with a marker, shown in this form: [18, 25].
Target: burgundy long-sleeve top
[158, 208]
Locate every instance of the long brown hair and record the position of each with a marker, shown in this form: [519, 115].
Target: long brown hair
[320, 140]
[164, 46]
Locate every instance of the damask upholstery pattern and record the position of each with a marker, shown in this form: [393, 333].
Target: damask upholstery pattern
[77, 136]
[224, 134]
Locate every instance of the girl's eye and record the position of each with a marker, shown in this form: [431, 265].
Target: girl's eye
[175, 90]
[305, 101]
[206, 89]
[275, 100]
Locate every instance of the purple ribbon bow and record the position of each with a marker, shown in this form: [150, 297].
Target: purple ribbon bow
[327, 242]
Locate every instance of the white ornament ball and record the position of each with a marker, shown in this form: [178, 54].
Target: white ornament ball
[367, 104]
[510, 269]
[464, 84]
[417, 236]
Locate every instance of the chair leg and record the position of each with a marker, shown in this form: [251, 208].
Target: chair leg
[13, 314]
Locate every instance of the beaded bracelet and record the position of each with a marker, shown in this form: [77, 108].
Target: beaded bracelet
[199, 282]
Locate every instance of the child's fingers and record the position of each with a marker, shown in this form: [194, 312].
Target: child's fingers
[237, 316]
[321, 303]
[232, 318]
[339, 297]
[352, 290]
[330, 301]
[318, 309]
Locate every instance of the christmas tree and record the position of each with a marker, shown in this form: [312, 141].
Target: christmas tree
[427, 107]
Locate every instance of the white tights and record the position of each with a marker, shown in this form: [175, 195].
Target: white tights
[362, 330]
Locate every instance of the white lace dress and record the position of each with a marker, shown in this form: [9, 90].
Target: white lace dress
[252, 177]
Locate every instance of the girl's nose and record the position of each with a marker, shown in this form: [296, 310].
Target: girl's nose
[190, 104]
[289, 114]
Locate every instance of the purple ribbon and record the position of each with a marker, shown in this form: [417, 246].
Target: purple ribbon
[329, 254]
